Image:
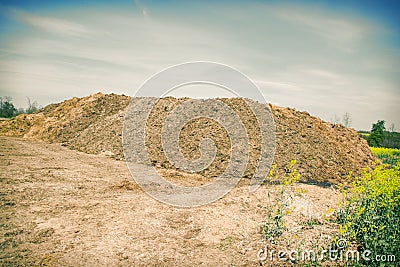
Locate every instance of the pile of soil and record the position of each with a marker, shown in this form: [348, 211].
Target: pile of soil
[324, 152]
[91, 124]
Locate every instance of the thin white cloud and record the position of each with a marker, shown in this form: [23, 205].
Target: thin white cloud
[51, 24]
[330, 76]
[324, 73]
[331, 27]
[279, 85]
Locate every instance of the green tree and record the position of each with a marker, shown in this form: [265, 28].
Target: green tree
[377, 134]
[7, 109]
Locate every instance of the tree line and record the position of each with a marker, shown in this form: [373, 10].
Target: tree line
[8, 110]
[381, 137]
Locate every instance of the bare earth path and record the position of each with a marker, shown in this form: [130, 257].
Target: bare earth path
[65, 208]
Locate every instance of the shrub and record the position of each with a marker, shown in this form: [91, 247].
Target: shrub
[371, 214]
[7, 109]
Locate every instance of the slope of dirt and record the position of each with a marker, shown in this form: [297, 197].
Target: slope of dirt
[324, 152]
[61, 207]
[92, 124]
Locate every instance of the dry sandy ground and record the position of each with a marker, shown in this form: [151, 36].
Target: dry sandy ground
[65, 208]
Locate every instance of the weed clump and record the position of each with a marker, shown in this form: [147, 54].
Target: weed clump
[275, 225]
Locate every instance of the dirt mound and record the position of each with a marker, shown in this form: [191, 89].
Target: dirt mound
[324, 152]
[198, 129]
[91, 124]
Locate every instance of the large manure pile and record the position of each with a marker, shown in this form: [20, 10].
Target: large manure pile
[324, 152]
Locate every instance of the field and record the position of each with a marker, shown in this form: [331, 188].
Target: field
[387, 155]
[68, 198]
[62, 207]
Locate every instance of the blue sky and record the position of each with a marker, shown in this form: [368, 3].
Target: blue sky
[325, 57]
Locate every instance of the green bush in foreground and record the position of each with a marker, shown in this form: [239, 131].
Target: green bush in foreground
[371, 214]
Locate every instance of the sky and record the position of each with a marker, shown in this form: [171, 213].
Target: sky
[323, 57]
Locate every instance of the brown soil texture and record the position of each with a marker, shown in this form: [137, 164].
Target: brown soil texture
[61, 207]
[324, 152]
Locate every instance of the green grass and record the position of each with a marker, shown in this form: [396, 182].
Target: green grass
[388, 155]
